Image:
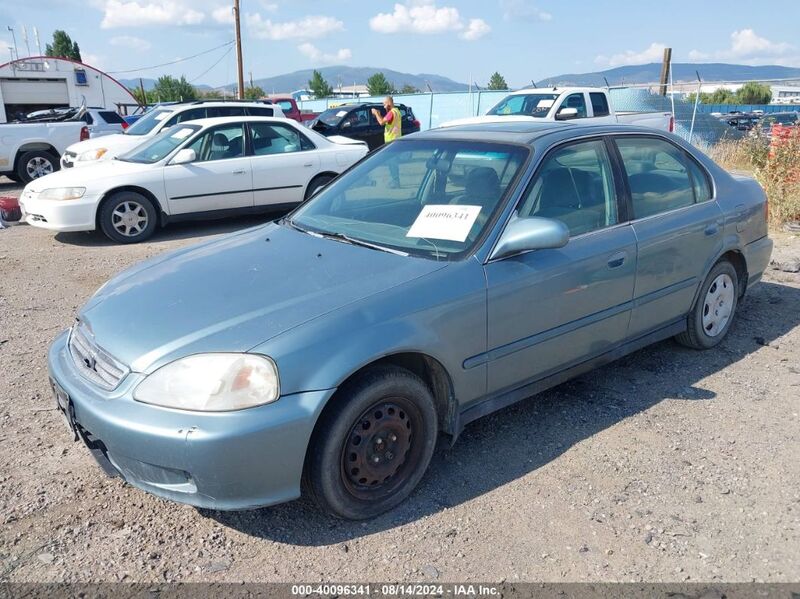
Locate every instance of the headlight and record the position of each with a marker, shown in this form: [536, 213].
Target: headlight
[212, 383]
[62, 193]
[95, 154]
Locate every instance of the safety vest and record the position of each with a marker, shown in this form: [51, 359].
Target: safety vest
[393, 130]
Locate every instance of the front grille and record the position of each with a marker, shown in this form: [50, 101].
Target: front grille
[91, 361]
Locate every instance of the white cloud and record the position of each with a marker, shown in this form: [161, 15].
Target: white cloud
[306, 28]
[424, 16]
[118, 13]
[93, 60]
[476, 29]
[653, 53]
[223, 15]
[130, 41]
[748, 47]
[318, 56]
[522, 9]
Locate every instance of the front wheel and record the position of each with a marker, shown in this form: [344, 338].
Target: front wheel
[373, 444]
[128, 217]
[713, 312]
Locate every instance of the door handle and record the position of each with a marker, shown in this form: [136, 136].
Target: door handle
[711, 229]
[617, 260]
[242, 172]
[309, 164]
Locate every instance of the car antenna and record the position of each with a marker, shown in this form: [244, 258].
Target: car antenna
[533, 83]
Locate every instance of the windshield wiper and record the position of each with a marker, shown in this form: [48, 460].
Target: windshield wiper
[354, 241]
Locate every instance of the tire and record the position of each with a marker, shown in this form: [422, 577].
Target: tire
[13, 176]
[714, 310]
[34, 164]
[372, 445]
[128, 217]
[316, 184]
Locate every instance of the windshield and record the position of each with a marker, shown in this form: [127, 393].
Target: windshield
[426, 198]
[332, 116]
[161, 145]
[148, 122]
[537, 105]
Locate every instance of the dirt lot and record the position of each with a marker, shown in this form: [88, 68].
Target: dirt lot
[668, 465]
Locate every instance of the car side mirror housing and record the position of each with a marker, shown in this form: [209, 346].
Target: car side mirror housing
[184, 156]
[531, 233]
[566, 114]
[346, 124]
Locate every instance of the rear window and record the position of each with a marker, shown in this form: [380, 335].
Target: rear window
[111, 117]
[599, 104]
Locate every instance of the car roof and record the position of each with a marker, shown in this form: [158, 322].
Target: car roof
[224, 120]
[525, 132]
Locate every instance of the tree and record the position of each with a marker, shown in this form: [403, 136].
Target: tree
[721, 95]
[409, 89]
[170, 89]
[497, 82]
[378, 85]
[318, 86]
[253, 93]
[754, 93]
[63, 47]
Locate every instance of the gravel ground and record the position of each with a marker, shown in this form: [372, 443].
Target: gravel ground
[668, 465]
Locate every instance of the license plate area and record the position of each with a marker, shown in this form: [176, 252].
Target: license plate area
[64, 405]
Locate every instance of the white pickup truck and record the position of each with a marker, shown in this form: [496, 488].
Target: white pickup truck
[564, 104]
[32, 150]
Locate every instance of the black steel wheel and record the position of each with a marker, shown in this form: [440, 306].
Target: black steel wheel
[372, 444]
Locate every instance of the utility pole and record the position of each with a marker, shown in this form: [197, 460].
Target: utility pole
[665, 67]
[239, 67]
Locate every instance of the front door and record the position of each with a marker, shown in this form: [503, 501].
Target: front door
[551, 309]
[219, 179]
[677, 224]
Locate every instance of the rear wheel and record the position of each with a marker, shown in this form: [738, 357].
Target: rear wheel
[34, 164]
[128, 217]
[373, 445]
[713, 312]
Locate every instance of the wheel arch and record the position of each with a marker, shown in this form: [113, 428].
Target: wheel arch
[136, 189]
[36, 146]
[316, 177]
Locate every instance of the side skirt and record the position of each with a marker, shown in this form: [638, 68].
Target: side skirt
[505, 398]
[278, 209]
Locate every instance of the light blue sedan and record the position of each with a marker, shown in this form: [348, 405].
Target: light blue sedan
[447, 275]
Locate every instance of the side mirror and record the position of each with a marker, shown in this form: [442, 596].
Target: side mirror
[566, 114]
[531, 233]
[346, 124]
[184, 156]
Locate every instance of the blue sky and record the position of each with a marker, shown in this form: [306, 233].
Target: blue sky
[521, 39]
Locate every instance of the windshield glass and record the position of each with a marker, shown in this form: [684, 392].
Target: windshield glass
[161, 145]
[537, 105]
[426, 198]
[148, 122]
[332, 116]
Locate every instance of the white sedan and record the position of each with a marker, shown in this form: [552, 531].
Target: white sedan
[202, 168]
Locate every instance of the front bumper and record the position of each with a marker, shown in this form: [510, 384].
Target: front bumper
[224, 461]
[60, 215]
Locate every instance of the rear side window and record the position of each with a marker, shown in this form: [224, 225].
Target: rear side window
[599, 104]
[187, 115]
[259, 111]
[659, 176]
[111, 117]
[216, 111]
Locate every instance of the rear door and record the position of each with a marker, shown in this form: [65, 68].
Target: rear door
[219, 179]
[283, 160]
[677, 224]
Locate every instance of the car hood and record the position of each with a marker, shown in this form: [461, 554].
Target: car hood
[234, 293]
[116, 144]
[493, 118]
[88, 175]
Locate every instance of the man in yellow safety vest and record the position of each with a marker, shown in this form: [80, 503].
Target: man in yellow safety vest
[392, 129]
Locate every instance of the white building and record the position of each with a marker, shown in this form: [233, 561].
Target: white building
[41, 82]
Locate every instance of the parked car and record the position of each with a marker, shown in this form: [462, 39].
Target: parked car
[101, 121]
[198, 168]
[356, 121]
[566, 104]
[291, 110]
[742, 121]
[156, 120]
[334, 345]
[31, 150]
[787, 119]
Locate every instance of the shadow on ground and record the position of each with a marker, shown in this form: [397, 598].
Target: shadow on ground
[511, 443]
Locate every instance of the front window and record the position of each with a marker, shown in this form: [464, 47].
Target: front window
[537, 105]
[285, 105]
[219, 143]
[427, 198]
[161, 145]
[148, 122]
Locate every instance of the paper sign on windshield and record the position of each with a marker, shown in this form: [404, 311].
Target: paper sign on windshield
[161, 116]
[545, 103]
[444, 221]
[183, 133]
[341, 113]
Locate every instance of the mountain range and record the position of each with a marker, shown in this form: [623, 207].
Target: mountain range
[646, 73]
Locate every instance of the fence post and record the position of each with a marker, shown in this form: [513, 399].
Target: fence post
[430, 114]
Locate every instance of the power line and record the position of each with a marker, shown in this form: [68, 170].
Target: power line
[219, 60]
[156, 66]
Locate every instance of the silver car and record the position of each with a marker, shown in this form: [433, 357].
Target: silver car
[445, 276]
